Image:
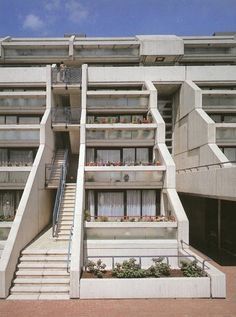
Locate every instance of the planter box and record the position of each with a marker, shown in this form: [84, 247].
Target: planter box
[172, 287]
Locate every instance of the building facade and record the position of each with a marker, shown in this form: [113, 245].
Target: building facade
[115, 148]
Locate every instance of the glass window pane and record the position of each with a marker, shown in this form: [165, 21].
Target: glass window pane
[11, 119]
[3, 157]
[108, 155]
[149, 203]
[29, 120]
[143, 155]
[129, 155]
[133, 202]
[230, 118]
[111, 204]
[216, 118]
[230, 153]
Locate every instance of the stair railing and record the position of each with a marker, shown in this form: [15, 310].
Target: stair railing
[59, 195]
[207, 166]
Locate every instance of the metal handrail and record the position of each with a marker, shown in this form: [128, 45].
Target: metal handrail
[166, 256]
[59, 195]
[69, 249]
[202, 262]
[67, 115]
[220, 164]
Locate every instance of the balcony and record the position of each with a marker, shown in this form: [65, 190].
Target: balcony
[130, 230]
[216, 100]
[121, 136]
[65, 117]
[14, 178]
[110, 101]
[19, 136]
[67, 76]
[124, 177]
[120, 119]
[12, 102]
[226, 134]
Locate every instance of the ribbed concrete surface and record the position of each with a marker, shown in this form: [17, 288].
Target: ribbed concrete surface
[130, 308]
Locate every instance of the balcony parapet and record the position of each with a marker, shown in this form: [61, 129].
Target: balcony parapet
[68, 75]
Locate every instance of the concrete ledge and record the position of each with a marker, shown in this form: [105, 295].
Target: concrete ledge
[176, 287]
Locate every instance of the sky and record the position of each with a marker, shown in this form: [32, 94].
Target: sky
[54, 18]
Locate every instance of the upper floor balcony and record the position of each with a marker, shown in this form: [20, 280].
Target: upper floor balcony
[66, 75]
[115, 119]
[219, 100]
[124, 176]
[25, 102]
[103, 101]
[120, 135]
[14, 177]
[226, 134]
[65, 116]
[26, 135]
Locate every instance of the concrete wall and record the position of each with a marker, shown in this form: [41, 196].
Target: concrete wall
[194, 131]
[215, 183]
[34, 211]
[78, 233]
[23, 75]
[163, 74]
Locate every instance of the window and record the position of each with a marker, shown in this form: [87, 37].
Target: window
[119, 203]
[9, 201]
[124, 155]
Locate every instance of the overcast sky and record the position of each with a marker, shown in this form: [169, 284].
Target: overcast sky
[21, 18]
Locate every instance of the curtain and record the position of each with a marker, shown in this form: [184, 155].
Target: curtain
[111, 204]
[21, 157]
[108, 155]
[143, 155]
[133, 202]
[3, 157]
[91, 206]
[7, 204]
[149, 203]
[89, 155]
[128, 155]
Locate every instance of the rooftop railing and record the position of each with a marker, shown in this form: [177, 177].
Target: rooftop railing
[68, 75]
[207, 166]
[66, 115]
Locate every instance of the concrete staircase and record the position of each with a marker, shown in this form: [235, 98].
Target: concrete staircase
[66, 212]
[41, 274]
[56, 169]
[42, 269]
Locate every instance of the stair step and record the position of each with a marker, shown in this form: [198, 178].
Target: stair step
[43, 251]
[39, 296]
[63, 238]
[39, 289]
[43, 273]
[35, 265]
[46, 258]
[37, 280]
[63, 226]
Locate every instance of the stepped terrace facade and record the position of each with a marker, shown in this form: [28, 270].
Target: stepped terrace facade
[112, 149]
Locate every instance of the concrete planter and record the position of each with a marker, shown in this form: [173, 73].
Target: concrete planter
[172, 287]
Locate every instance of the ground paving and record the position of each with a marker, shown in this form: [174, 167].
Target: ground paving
[129, 308]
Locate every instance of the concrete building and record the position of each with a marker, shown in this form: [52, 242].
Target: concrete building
[125, 149]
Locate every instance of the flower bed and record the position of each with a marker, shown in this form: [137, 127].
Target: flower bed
[159, 286]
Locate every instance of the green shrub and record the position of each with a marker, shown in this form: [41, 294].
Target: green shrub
[97, 268]
[190, 269]
[158, 269]
[128, 269]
